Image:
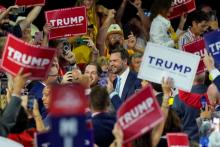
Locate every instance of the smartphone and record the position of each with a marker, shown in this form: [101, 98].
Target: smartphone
[30, 103]
[66, 47]
[4, 85]
[146, 12]
[38, 37]
[18, 10]
[203, 102]
[103, 80]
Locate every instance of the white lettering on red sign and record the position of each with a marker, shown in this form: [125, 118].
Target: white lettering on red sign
[179, 2]
[136, 112]
[26, 60]
[201, 53]
[67, 21]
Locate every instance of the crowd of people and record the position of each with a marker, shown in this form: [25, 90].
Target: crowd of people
[106, 62]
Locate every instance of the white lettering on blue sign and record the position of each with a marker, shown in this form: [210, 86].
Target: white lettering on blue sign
[214, 47]
[68, 128]
[159, 62]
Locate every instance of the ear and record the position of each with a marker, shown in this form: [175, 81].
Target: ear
[125, 61]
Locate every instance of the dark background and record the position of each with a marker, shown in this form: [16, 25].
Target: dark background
[55, 4]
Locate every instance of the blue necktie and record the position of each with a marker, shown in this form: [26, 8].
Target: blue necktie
[117, 88]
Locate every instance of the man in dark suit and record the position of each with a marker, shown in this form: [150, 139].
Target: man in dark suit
[126, 82]
[103, 121]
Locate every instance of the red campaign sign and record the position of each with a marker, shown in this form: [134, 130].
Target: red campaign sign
[198, 48]
[182, 6]
[67, 22]
[2, 8]
[68, 100]
[139, 114]
[34, 59]
[177, 140]
[29, 2]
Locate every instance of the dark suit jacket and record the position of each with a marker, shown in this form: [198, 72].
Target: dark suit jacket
[9, 116]
[103, 125]
[189, 114]
[217, 82]
[132, 83]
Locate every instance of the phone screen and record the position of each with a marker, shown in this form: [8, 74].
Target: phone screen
[4, 85]
[103, 81]
[30, 103]
[38, 37]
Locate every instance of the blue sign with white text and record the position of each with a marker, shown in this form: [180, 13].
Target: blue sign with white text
[212, 42]
[68, 131]
[42, 140]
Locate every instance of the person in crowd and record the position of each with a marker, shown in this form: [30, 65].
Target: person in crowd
[126, 82]
[199, 24]
[37, 86]
[92, 17]
[194, 99]
[136, 59]
[19, 29]
[103, 62]
[139, 24]
[93, 71]
[111, 35]
[189, 114]
[151, 138]
[10, 114]
[161, 31]
[103, 121]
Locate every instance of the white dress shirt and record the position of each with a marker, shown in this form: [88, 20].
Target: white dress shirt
[123, 77]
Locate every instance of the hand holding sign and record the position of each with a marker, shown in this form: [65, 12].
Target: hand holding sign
[139, 114]
[67, 22]
[19, 81]
[167, 84]
[18, 53]
[209, 62]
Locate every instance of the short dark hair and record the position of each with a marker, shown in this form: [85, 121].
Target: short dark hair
[122, 51]
[158, 6]
[198, 16]
[99, 98]
[99, 69]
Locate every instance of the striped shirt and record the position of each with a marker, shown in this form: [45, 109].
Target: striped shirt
[186, 38]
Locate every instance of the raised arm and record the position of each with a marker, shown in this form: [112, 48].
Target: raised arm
[33, 14]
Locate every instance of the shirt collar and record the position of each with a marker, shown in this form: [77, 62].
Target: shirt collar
[125, 73]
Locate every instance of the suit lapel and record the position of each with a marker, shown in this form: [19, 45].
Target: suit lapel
[127, 86]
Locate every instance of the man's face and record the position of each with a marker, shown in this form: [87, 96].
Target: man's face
[117, 65]
[200, 27]
[92, 73]
[135, 63]
[114, 38]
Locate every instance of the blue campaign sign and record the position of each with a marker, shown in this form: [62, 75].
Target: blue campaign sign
[89, 136]
[68, 131]
[42, 140]
[212, 41]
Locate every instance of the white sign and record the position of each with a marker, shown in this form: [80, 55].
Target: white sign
[160, 61]
[5, 142]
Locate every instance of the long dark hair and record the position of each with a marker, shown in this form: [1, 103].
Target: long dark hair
[159, 6]
[143, 141]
